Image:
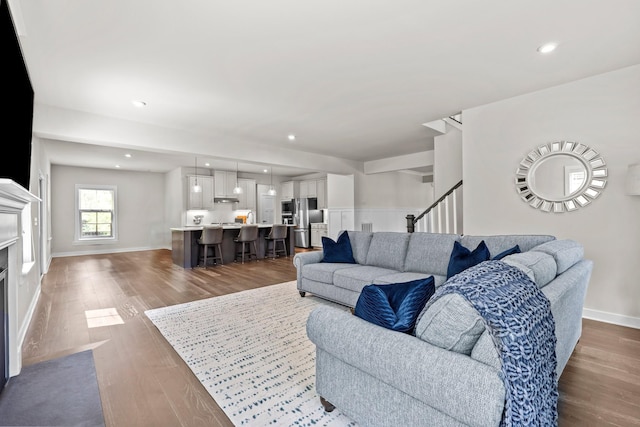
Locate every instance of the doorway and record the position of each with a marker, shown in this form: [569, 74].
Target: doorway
[266, 206]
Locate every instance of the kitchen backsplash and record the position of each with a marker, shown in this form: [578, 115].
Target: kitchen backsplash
[222, 213]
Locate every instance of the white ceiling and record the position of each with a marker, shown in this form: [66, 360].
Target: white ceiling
[352, 79]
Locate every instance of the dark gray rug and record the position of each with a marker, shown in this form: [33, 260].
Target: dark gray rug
[57, 392]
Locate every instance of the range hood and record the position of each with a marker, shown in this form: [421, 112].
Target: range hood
[225, 200]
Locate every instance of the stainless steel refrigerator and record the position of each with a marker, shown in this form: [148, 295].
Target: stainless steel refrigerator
[303, 217]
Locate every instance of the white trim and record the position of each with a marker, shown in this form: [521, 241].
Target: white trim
[106, 251]
[96, 241]
[616, 319]
[13, 199]
[22, 332]
[27, 266]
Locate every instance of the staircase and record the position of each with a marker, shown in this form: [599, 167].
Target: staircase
[443, 216]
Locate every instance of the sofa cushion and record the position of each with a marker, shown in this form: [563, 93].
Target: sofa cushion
[510, 251]
[450, 323]
[394, 306]
[388, 250]
[499, 243]
[407, 276]
[323, 271]
[540, 267]
[360, 241]
[429, 253]
[359, 276]
[565, 252]
[337, 251]
[462, 258]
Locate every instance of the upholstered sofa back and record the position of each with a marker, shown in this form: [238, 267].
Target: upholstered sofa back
[427, 253]
[388, 250]
[499, 243]
[360, 241]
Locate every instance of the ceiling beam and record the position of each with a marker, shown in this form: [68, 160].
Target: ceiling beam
[398, 163]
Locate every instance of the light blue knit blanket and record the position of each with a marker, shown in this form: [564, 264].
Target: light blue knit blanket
[518, 316]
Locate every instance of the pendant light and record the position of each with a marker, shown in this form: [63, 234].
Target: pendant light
[196, 188]
[272, 191]
[238, 189]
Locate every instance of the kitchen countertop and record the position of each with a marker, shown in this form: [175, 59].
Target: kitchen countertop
[224, 226]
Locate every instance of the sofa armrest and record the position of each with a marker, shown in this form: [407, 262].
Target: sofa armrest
[304, 258]
[450, 382]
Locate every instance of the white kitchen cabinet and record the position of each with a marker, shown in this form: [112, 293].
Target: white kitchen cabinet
[315, 188]
[225, 182]
[203, 199]
[247, 199]
[318, 230]
[289, 190]
[308, 188]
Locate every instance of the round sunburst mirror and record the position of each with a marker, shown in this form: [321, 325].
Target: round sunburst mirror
[561, 176]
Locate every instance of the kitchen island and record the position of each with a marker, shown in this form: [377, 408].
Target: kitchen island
[184, 243]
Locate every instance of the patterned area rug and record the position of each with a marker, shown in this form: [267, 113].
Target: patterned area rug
[251, 352]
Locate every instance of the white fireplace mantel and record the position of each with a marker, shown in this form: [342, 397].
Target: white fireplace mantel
[13, 200]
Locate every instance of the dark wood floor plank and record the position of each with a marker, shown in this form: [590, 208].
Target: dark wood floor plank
[143, 381]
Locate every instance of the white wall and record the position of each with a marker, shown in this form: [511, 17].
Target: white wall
[175, 201]
[602, 112]
[385, 199]
[140, 204]
[447, 165]
[340, 204]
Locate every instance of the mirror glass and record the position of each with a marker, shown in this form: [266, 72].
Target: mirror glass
[557, 177]
[561, 176]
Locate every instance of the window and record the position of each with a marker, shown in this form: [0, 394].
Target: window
[96, 213]
[574, 178]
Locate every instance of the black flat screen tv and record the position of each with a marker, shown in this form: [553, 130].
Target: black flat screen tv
[17, 96]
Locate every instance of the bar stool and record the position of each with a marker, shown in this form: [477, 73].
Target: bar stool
[248, 234]
[277, 235]
[210, 240]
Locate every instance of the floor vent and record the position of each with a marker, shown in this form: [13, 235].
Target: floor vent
[367, 226]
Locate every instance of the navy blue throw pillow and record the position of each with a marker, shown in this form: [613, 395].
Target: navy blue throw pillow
[395, 306]
[462, 258]
[339, 251]
[510, 251]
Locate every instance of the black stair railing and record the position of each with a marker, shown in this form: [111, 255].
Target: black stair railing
[412, 219]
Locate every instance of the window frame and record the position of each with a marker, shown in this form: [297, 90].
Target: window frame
[79, 239]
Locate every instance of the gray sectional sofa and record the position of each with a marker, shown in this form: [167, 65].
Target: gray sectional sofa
[447, 372]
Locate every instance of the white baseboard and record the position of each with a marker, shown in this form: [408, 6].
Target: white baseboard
[22, 332]
[616, 319]
[105, 251]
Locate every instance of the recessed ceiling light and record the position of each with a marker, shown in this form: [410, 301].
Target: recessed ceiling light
[548, 47]
[117, 166]
[291, 137]
[128, 155]
[139, 104]
[265, 170]
[207, 164]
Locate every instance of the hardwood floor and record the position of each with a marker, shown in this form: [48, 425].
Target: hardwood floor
[143, 382]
